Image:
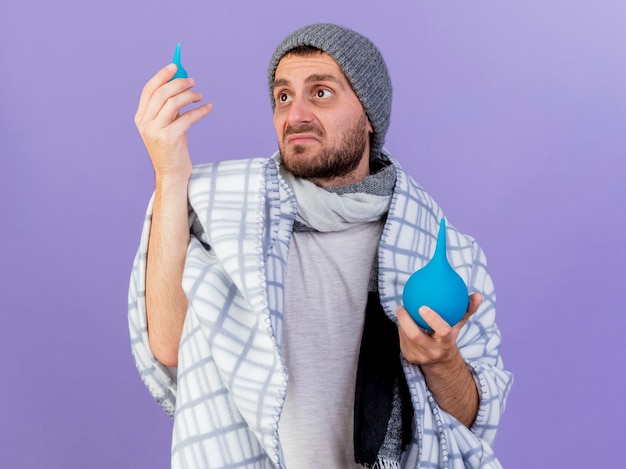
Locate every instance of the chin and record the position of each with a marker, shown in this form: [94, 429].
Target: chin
[298, 155]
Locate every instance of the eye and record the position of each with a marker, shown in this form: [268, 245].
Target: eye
[323, 93]
[284, 98]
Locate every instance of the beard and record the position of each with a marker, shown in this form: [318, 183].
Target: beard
[330, 162]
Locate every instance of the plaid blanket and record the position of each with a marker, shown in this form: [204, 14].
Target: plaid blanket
[227, 392]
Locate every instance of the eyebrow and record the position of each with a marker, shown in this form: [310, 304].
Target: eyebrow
[316, 77]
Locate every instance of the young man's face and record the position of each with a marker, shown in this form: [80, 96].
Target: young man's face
[322, 129]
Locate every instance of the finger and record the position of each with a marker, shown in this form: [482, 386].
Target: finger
[187, 119]
[160, 78]
[475, 299]
[171, 108]
[163, 95]
[438, 324]
[406, 324]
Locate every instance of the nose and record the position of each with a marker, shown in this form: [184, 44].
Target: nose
[299, 112]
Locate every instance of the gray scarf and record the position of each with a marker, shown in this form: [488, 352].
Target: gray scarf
[338, 208]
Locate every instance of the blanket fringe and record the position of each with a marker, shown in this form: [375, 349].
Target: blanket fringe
[386, 464]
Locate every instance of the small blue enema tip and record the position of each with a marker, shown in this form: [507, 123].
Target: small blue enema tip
[181, 72]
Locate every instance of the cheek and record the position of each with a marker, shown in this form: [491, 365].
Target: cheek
[337, 126]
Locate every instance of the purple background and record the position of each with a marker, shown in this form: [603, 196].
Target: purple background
[513, 115]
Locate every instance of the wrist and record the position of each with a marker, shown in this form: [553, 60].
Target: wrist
[451, 365]
[172, 181]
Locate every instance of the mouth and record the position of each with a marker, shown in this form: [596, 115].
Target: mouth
[302, 138]
[302, 134]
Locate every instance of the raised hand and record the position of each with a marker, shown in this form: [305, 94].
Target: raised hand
[162, 126]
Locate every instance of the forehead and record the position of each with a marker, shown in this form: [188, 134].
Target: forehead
[293, 67]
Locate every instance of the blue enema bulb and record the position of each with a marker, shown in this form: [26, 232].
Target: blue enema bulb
[437, 286]
[181, 72]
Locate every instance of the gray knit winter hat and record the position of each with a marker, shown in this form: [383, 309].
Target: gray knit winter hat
[361, 62]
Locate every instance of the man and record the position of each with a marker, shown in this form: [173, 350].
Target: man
[265, 300]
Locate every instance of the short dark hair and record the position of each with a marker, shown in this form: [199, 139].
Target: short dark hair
[304, 51]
